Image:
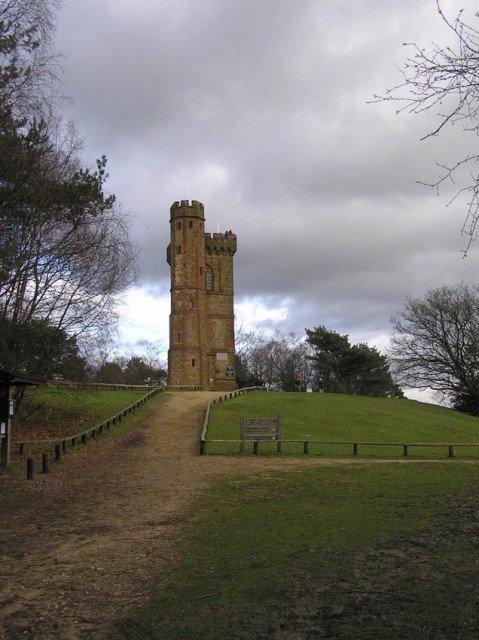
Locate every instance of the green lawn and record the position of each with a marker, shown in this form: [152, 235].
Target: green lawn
[104, 402]
[51, 412]
[350, 551]
[336, 417]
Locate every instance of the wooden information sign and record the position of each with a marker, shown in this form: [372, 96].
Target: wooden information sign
[256, 429]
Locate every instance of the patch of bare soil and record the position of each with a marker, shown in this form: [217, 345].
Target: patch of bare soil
[36, 421]
[415, 587]
[50, 427]
[80, 546]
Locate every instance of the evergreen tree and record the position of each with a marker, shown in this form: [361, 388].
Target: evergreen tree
[353, 369]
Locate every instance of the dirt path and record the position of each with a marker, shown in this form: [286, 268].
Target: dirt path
[79, 547]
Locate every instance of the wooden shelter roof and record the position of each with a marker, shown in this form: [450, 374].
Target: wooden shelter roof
[17, 380]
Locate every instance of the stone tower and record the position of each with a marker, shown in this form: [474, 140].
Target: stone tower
[202, 347]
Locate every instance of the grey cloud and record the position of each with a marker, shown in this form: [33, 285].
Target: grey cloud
[264, 106]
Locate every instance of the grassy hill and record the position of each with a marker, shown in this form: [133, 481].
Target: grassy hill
[335, 417]
[55, 412]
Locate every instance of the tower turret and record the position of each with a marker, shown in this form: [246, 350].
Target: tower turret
[186, 256]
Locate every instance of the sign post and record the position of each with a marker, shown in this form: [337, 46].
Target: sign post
[256, 429]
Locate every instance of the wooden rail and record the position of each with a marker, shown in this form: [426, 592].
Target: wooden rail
[60, 445]
[105, 386]
[354, 445]
[239, 392]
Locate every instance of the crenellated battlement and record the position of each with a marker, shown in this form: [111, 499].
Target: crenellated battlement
[220, 243]
[184, 208]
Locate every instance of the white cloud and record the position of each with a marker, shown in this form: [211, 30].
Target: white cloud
[261, 314]
[145, 316]
[425, 395]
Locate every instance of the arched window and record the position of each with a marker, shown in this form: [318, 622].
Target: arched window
[209, 279]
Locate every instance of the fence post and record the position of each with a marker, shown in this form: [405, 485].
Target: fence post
[306, 446]
[58, 451]
[29, 468]
[451, 452]
[45, 463]
[355, 449]
[404, 449]
[202, 447]
[255, 447]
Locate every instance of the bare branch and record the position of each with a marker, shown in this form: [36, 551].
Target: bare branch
[444, 82]
[436, 342]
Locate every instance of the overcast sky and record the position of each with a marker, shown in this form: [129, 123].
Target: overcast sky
[259, 109]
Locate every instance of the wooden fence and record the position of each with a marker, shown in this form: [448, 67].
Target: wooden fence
[353, 446]
[103, 386]
[61, 445]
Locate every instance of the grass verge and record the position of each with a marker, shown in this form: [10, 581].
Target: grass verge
[352, 551]
[50, 412]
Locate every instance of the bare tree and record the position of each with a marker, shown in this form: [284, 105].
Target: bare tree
[29, 64]
[436, 344]
[444, 81]
[273, 360]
